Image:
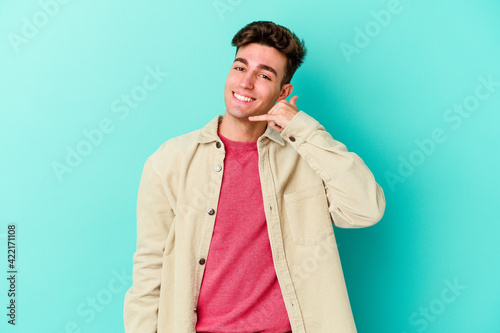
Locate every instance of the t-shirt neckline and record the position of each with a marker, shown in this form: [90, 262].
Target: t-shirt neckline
[251, 145]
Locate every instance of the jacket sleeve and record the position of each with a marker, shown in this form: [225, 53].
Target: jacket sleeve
[154, 218]
[355, 199]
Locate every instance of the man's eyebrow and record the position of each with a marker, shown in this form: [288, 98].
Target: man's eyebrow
[261, 66]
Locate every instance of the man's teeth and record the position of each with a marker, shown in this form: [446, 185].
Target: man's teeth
[243, 98]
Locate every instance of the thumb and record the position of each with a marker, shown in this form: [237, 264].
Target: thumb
[293, 100]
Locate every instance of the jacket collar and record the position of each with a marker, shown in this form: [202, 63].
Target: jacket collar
[209, 132]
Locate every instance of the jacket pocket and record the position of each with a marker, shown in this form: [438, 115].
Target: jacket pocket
[308, 215]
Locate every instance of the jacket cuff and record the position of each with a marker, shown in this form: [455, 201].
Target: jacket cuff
[299, 128]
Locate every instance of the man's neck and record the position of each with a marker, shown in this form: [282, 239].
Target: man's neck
[238, 130]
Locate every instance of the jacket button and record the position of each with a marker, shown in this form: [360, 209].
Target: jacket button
[292, 138]
[217, 144]
[202, 261]
[218, 168]
[211, 211]
[195, 309]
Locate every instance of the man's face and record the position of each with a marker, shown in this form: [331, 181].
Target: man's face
[253, 85]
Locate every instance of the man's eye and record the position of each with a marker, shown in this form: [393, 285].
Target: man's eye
[238, 68]
[265, 77]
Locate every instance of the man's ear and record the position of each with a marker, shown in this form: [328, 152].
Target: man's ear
[286, 90]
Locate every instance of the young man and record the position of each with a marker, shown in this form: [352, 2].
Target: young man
[234, 229]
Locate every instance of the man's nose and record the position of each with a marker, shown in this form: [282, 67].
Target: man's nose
[247, 81]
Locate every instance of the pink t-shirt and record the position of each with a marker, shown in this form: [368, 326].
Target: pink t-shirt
[240, 292]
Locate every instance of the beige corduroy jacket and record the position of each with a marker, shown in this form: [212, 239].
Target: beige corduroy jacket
[308, 179]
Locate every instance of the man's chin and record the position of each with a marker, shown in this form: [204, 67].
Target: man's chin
[239, 114]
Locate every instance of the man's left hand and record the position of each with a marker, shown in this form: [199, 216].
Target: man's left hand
[280, 115]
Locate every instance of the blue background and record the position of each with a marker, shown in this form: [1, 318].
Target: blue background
[65, 67]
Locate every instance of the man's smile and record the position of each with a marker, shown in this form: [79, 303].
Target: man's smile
[242, 98]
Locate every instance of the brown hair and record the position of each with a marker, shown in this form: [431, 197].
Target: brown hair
[277, 36]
